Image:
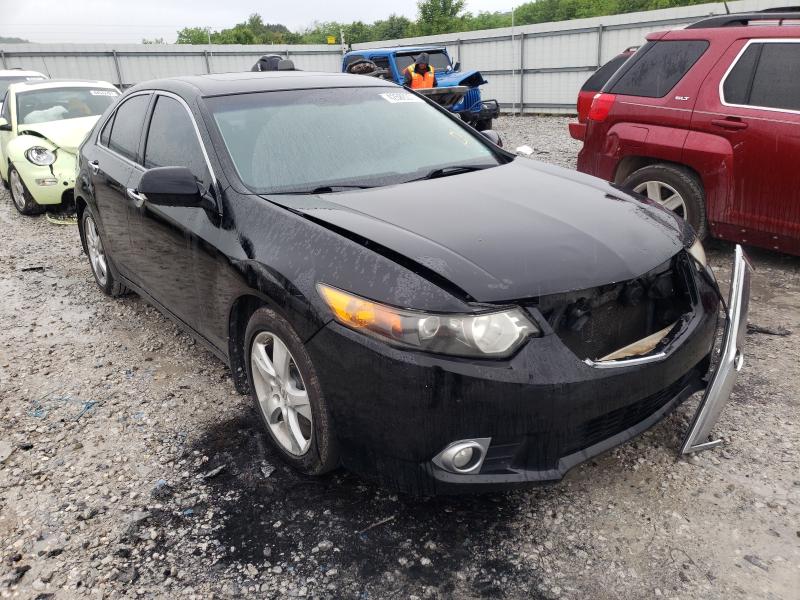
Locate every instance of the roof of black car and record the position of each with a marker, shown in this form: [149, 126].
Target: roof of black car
[254, 81]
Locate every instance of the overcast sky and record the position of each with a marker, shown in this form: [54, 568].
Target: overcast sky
[131, 20]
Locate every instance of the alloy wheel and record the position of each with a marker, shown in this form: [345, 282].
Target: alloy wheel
[666, 195]
[281, 393]
[17, 190]
[97, 255]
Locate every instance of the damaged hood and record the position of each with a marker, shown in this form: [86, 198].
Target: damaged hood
[512, 232]
[67, 133]
[467, 78]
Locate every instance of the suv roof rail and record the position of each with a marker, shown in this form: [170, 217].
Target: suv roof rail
[745, 19]
[782, 9]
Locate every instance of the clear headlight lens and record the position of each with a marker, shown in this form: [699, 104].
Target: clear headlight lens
[40, 156]
[495, 334]
[698, 253]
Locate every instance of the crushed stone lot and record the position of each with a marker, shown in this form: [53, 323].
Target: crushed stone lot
[129, 467]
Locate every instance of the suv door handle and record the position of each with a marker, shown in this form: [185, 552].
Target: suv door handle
[95, 166]
[138, 198]
[730, 124]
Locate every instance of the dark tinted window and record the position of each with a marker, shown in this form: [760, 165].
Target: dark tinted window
[127, 129]
[739, 82]
[106, 133]
[656, 68]
[439, 60]
[777, 80]
[596, 82]
[172, 140]
[381, 61]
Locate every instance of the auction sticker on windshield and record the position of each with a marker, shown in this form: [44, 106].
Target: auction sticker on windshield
[396, 97]
[103, 93]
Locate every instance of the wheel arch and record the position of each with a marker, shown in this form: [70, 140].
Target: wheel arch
[80, 208]
[238, 317]
[630, 164]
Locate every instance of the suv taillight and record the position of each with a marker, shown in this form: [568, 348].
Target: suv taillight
[601, 106]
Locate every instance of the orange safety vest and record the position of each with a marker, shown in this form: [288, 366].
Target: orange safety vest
[418, 81]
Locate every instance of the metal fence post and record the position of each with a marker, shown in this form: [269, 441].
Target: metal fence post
[116, 66]
[3, 56]
[600, 29]
[208, 61]
[522, 74]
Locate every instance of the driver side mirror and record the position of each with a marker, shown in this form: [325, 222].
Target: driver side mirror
[493, 136]
[4, 125]
[457, 66]
[170, 186]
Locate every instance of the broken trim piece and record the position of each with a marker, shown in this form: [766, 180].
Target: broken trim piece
[730, 362]
[639, 347]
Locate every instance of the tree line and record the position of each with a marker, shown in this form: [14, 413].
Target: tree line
[433, 17]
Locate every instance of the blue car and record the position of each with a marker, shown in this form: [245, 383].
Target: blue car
[472, 109]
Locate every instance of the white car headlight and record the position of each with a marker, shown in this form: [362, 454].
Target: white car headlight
[40, 156]
[494, 334]
[698, 252]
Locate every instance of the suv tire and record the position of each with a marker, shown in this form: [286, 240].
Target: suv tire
[668, 185]
[308, 445]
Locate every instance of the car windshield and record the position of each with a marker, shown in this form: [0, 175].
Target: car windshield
[439, 60]
[302, 140]
[57, 104]
[7, 81]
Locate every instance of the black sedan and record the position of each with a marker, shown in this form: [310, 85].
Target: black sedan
[398, 294]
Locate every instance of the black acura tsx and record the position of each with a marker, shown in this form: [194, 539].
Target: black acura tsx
[399, 294]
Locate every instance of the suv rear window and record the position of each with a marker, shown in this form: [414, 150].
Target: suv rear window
[656, 68]
[596, 82]
[767, 75]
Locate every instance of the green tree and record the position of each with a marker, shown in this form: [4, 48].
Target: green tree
[192, 35]
[393, 28]
[440, 16]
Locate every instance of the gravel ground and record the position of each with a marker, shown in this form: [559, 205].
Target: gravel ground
[129, 467]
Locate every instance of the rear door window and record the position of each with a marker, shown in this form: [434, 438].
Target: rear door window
[126, 132]
[739, 82]
[777, 79]
[657, 68]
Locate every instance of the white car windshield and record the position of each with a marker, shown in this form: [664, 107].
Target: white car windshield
[57, 104]
[290, 141]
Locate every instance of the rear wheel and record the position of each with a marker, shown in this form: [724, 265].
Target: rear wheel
[98, 259]
[676, 189]
[287, 394]
[23, 201]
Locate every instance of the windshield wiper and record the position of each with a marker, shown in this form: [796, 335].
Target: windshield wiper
[452, 170]
[327, 189]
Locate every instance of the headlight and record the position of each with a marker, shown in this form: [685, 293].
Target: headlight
[491, 334]
[40, 156]
[698, 252]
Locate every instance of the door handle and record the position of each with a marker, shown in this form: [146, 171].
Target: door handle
[730, 124]
[95, 166]
[137, 197]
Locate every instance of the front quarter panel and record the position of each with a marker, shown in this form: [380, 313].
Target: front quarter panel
[63, 169]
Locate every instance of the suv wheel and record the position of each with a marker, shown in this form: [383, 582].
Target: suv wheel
[23, 201]
[98, 259]
[674, 188]
[287, 394]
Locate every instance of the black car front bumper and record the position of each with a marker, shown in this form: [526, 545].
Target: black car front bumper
[544, 409]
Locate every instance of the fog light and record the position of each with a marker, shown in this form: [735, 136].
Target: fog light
[47, 181]
[463, 457]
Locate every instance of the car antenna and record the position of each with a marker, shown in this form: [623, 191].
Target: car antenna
[727, 9]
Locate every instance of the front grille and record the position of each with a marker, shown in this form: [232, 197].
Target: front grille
[596, 322]
[614, 422]
[472, 100]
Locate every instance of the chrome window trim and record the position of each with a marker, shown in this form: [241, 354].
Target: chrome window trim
[736, 61]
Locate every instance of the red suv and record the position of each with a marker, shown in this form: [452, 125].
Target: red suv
[706, 121]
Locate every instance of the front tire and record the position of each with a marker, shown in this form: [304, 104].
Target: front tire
[99, 260]
[20, 196]
[676, 189]
[287, 394]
